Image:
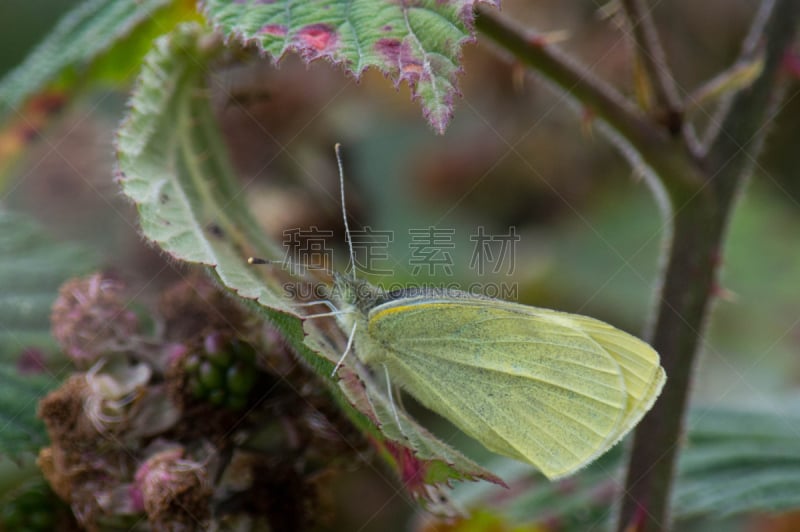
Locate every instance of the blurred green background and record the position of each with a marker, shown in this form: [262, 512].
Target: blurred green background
[516, 155]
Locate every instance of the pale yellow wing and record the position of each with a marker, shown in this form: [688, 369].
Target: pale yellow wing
[644, 377]
[522, 383]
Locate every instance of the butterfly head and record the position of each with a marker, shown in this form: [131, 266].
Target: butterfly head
[356, 292]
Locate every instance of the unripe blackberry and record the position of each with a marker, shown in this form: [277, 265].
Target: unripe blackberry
[192, 363]
[210, 375]
[218, 349]
[240, 378]
[217, 397]
[223, 373]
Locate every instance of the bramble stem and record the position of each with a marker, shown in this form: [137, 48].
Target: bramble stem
[699, 229]
[652, 56]
[701, 185]
[603, 100]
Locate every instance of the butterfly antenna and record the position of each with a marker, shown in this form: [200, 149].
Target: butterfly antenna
[338, 147]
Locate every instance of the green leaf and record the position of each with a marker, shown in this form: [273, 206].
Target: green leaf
[739, 462]
[32, 267]
[20, 430]
[93, 29]
[173, 165]
[414, 42]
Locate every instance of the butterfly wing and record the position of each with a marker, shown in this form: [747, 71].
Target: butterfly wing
[644, 377]
[526, 384]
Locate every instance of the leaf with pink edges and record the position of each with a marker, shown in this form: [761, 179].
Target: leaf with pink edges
[414, 41]
[172, 164]
[426, 465]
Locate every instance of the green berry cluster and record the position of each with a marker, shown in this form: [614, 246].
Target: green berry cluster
[223, 372]
[32, 510]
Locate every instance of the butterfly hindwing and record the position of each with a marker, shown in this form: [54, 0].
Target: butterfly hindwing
[644, 377]
[522, 383]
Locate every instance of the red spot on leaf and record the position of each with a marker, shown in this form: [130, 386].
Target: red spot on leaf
[389, 49]
[278, 30]
[399, 57]
[316, 40]
[412, 470]
[412, 69]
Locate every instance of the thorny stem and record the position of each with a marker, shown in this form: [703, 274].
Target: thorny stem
[655, 144]
[603, 100]
[689, 281]
[702, 190]
[653, 58]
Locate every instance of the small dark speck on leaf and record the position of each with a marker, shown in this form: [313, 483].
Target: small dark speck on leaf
[215, 230]
[163, 198]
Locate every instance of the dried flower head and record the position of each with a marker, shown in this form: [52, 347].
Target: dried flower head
[196, 306]
[175, 490]
[90, 318]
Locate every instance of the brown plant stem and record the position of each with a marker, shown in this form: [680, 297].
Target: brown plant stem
[702, 187]
[655, 145]
[652, 56]
[699, 228]
[603, 100]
